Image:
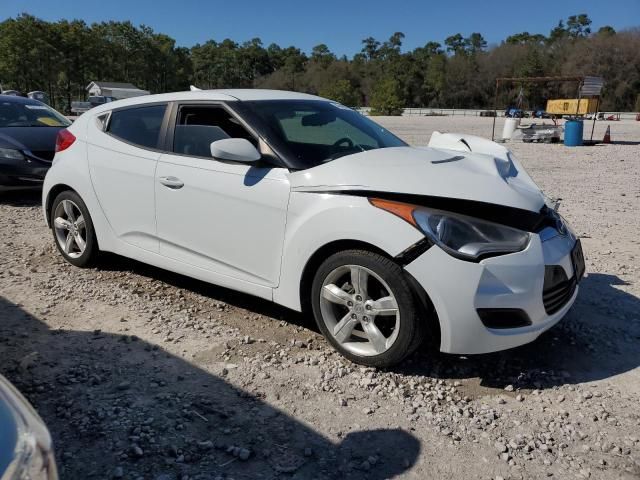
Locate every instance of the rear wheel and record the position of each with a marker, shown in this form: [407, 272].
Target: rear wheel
[73, 229]
[365, 308]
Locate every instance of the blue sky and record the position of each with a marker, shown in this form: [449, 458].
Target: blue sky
[340, 24]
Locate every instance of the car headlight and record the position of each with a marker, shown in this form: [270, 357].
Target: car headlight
[11, 154]
[32, 456]
[463, 237]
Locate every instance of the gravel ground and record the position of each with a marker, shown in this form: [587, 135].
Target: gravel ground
[143, 374]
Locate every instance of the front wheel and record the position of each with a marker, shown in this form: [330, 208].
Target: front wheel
[73, 229]
[365, 308]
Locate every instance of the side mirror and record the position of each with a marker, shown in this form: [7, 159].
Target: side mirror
[235, 150]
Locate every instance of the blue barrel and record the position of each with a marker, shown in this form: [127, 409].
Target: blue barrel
[573, 130]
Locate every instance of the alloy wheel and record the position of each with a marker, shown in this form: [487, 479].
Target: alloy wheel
[359, 310]
[70, 228]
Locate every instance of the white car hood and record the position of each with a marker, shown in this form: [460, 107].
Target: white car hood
[452, 172]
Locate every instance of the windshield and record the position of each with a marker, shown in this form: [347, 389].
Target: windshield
[13, 114]
[312, 132]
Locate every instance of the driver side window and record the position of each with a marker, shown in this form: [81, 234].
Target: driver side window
[198, 126]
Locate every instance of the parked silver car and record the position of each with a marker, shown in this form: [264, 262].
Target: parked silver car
[25, 444]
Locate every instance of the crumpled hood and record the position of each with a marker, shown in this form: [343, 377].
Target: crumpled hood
[450, 173]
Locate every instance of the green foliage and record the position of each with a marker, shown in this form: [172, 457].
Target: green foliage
[476, 43]
[578, 25]
[322, 55]
[385, 99]
[459, 45]
[370, 48]
[456, 44]
[342, 92]
[61, 58]
[434, 80]
[606, 31]
[391, 48]
[525, 38]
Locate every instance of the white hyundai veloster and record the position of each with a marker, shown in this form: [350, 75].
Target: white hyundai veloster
[307, 203]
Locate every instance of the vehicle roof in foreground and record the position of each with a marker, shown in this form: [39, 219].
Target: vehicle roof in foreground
[19, 100]
[222, 95]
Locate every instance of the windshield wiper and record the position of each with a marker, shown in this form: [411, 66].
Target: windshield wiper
[335, 156]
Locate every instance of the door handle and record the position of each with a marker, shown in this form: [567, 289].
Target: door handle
[172, 182]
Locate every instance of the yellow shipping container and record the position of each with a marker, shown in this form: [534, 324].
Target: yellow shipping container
[569, 106]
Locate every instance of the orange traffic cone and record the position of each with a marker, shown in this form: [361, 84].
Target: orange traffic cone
[607, 135]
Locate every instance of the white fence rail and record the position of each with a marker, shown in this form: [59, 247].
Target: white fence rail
[421, 112]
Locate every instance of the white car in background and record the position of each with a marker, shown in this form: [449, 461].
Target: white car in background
[302, 201]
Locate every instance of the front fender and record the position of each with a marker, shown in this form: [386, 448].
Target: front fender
[318, 219]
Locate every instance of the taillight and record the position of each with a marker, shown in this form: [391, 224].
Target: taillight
[64, 140]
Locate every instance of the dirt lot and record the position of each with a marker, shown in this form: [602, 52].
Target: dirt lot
[143, 374]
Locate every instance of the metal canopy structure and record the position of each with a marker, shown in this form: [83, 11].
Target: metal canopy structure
[591, 86]
[587, 86]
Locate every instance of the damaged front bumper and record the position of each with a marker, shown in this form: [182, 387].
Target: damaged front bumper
[501, 302]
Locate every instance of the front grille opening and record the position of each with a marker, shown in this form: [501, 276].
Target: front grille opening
[503, 317]
[557, 290]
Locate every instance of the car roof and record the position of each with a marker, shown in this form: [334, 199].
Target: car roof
[227, 95]
[264, 94]
[17, 99]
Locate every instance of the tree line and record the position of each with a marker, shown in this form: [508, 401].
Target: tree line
[61, 58]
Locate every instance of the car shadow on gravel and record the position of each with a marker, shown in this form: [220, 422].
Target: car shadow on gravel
[596, 340]
[118, 407]
[21, 197]
[112, 262]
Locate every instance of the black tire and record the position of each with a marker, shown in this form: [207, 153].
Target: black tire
[90, 254]
[411, 327]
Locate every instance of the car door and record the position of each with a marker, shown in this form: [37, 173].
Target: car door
[123, 154]
[224, 217]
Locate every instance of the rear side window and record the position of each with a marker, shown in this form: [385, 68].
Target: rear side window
[140, 126]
